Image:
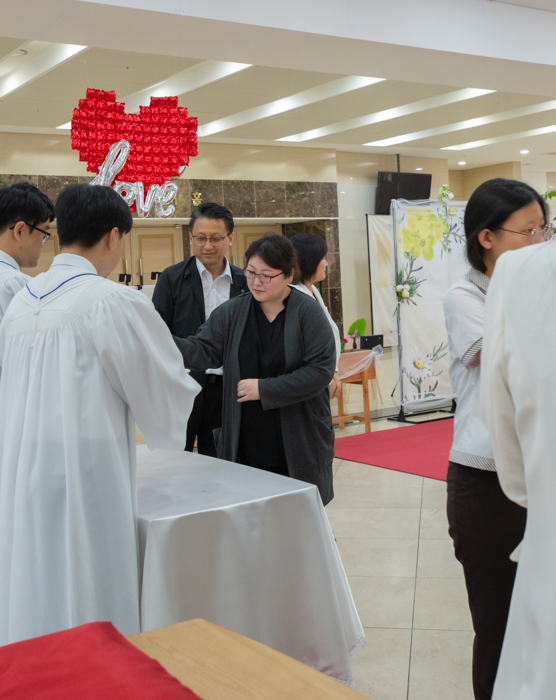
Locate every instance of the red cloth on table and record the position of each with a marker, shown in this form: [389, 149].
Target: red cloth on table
[90, 662]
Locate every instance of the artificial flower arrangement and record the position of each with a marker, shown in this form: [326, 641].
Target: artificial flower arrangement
[356, 330]
[547, 196]
[444, 193]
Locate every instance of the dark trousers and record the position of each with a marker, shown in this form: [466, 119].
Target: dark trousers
[486, 527]
[205, 417]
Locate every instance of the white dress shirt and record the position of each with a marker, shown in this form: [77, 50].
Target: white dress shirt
[12, 280]
[464, 310]
[215, 292]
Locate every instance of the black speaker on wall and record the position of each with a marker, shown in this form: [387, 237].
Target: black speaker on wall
[409, 186]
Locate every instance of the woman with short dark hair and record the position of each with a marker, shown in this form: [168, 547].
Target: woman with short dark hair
[485, 525]
[312, 263]
[277, 350]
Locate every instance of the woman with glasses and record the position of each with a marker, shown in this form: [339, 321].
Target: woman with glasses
[278, 355]
[312, 263]
[485, 526]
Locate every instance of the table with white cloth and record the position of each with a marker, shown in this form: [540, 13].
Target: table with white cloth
[248, 550]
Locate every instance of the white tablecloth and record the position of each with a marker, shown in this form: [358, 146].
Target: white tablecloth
[248, 550]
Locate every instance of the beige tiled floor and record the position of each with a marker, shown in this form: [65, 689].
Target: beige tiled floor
[392, 535]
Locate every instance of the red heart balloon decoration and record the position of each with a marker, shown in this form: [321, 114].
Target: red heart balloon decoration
[162, 136]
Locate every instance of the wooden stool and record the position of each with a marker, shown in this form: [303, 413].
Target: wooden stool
[363, 379]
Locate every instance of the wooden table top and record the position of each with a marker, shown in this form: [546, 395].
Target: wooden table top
[221, 665]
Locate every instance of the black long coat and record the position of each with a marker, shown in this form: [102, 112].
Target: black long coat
[301, 393]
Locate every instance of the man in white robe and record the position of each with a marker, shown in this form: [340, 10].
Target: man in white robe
[82, 358]
[25, 216]
[518, 390]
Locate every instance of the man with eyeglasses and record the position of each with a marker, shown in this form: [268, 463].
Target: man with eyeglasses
[185, 296]
[25, 215]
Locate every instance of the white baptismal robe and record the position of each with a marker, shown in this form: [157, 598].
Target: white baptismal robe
[74, 379]
[518, 391]
[12, 280]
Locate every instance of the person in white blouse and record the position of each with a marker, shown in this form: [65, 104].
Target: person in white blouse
[25, 216]
[82, 359]
[518, 390]
[485, 525]
[312, 263]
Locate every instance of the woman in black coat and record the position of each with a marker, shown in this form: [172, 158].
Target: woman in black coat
[277, 350]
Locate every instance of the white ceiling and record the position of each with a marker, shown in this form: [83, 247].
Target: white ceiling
[409, 75]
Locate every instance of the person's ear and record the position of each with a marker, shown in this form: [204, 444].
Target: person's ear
[231, 237]
[486, 238]
[113, 238]
[18, 230]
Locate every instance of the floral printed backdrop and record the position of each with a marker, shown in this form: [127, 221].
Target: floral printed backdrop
[430, 258]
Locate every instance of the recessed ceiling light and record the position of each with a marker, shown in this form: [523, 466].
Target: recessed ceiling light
[418, 168]
[462, 162]
[524, 152]
[19, 53]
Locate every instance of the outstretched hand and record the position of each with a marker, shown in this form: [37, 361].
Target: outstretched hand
[248, 390]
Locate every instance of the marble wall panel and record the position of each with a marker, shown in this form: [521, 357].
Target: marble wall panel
[85, 179]
[332, 236]
[183, 199]
[186, 242]
[270, 199]
[239, 197]
[326, 198]
[333, 273]
[336, 309]
[7, 180]
[211, 190]
[52, 185]
[300, 199]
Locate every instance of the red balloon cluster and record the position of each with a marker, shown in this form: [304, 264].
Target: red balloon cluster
[162, 137]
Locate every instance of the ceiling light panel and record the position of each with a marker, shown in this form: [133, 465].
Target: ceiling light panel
[34, 65]
[499, 139]
[388, 114]
[49, 101]
[511, 126]
[286, 104]
[467, 124]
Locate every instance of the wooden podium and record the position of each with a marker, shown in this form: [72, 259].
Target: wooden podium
[361, 378]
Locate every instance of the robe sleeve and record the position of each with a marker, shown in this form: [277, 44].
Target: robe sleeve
[319, 364]
[9, 287]
[144, 367]
[497, 406]
[205, 349]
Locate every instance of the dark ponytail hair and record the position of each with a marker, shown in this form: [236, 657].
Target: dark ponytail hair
[489, 207]
[276, 251]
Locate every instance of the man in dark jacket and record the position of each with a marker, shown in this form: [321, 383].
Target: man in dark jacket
[185, 296]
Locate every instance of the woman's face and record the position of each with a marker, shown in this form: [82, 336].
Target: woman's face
[321, 270]
[510, 236]
[272, 290]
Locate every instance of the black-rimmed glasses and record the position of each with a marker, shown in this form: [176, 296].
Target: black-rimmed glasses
[265, 279]
[215, 241]
[45, 234]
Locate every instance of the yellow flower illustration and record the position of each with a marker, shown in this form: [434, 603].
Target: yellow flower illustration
[438, 226]
[419, 222]
[419, 243]
[452, 211]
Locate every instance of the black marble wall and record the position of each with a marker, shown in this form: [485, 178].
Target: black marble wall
[331, 286]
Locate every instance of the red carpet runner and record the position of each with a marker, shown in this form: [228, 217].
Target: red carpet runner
[416, 449]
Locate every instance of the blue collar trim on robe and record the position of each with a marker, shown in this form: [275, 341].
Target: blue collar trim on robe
[8, 264]
[83, 274]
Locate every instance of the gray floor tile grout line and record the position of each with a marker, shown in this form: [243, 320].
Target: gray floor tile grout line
[415, 590]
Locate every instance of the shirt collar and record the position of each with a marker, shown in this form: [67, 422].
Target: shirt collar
[227, 269]
[71, 260]
[8, 259]
[479, 279]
